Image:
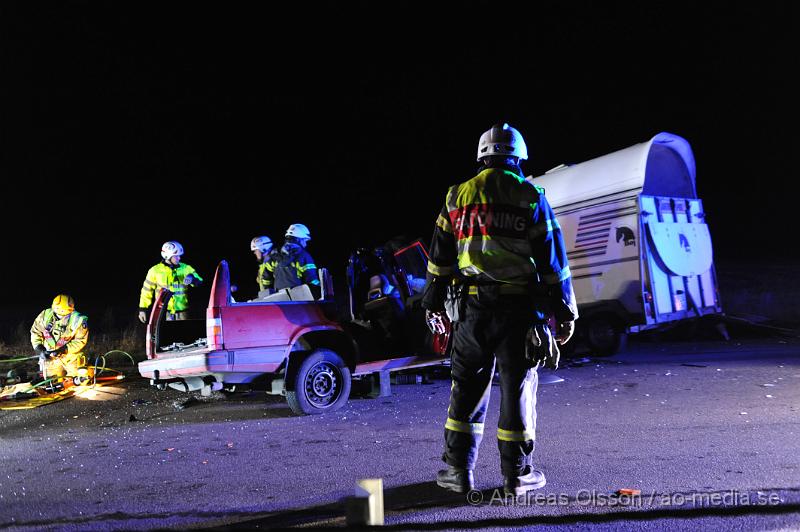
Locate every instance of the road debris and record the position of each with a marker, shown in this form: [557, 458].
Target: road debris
[182, 404]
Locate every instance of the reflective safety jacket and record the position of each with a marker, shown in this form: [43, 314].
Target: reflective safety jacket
[53, 332]
[498, 228]
[263, 283]
[287, 270]
[264, 277]
[171, 278]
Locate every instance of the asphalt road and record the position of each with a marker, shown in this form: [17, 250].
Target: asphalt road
[708, 431]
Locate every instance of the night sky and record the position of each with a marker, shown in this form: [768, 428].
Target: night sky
[125, 124]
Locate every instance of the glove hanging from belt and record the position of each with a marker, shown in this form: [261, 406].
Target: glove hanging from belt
[541, 348]
[436, 321]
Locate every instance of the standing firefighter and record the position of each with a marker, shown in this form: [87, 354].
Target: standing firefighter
[498, 268]
[173, 275]
[261, 246]
[292, 265]
[58, 336]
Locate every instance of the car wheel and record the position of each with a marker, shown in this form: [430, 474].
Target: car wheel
[321, 384]
[605, 336]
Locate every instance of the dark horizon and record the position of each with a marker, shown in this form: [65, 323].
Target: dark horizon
[126, 129]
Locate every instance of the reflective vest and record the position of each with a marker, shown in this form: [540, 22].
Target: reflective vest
[167, 278]
[492, 217]
[53, 332]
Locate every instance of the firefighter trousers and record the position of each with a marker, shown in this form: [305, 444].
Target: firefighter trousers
[492, 337]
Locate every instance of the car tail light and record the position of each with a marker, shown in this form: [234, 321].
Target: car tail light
[214, 328]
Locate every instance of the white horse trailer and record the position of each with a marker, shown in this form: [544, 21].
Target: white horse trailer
[638, 245]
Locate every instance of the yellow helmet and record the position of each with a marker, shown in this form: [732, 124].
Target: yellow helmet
[63, 305]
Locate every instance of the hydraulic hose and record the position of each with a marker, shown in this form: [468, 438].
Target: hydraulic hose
[19, 359]
[104, 368]
[98, 369]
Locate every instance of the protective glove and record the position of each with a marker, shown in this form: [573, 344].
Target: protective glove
[188, 280]
[436, 321]
[41, 351]
[540, 347]
[564, 331]
[143, 316]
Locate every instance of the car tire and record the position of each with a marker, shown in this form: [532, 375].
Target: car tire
[605, 336]
[321, 384]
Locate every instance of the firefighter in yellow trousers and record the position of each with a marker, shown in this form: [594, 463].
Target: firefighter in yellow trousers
[173, 275]
[59, 335]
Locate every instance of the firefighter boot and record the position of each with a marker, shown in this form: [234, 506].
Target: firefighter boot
[529, 479]
[456, 479]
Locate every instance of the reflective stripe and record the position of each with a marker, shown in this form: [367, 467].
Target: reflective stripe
[444, 224]
[306, 267]
[505, 289]
[502, 259]
[515, 435]
[314, 282]
[543, 228]
[149, 284]
[555, 278]
[440, 270]
[462, 426]
[487, 244]
[502, 275]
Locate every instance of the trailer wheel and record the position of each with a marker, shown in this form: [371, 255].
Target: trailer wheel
[604, 335]
[321, 384]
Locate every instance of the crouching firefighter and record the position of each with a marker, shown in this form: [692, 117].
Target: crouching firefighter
[59, 335]
[498, 269]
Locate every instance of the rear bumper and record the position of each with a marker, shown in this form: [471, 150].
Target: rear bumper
[238, 366]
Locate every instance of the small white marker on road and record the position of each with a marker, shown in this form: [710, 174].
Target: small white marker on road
[366, 507]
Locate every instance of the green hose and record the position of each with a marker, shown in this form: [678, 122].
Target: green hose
[104, 368]
[123, 352]
[20, 359]
[96, 367]
[39, 384]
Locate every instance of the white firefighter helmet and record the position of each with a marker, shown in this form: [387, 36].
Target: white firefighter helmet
[63, 305]
[171, 249]
[262, 244]
[299, 231]
[502, 139]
